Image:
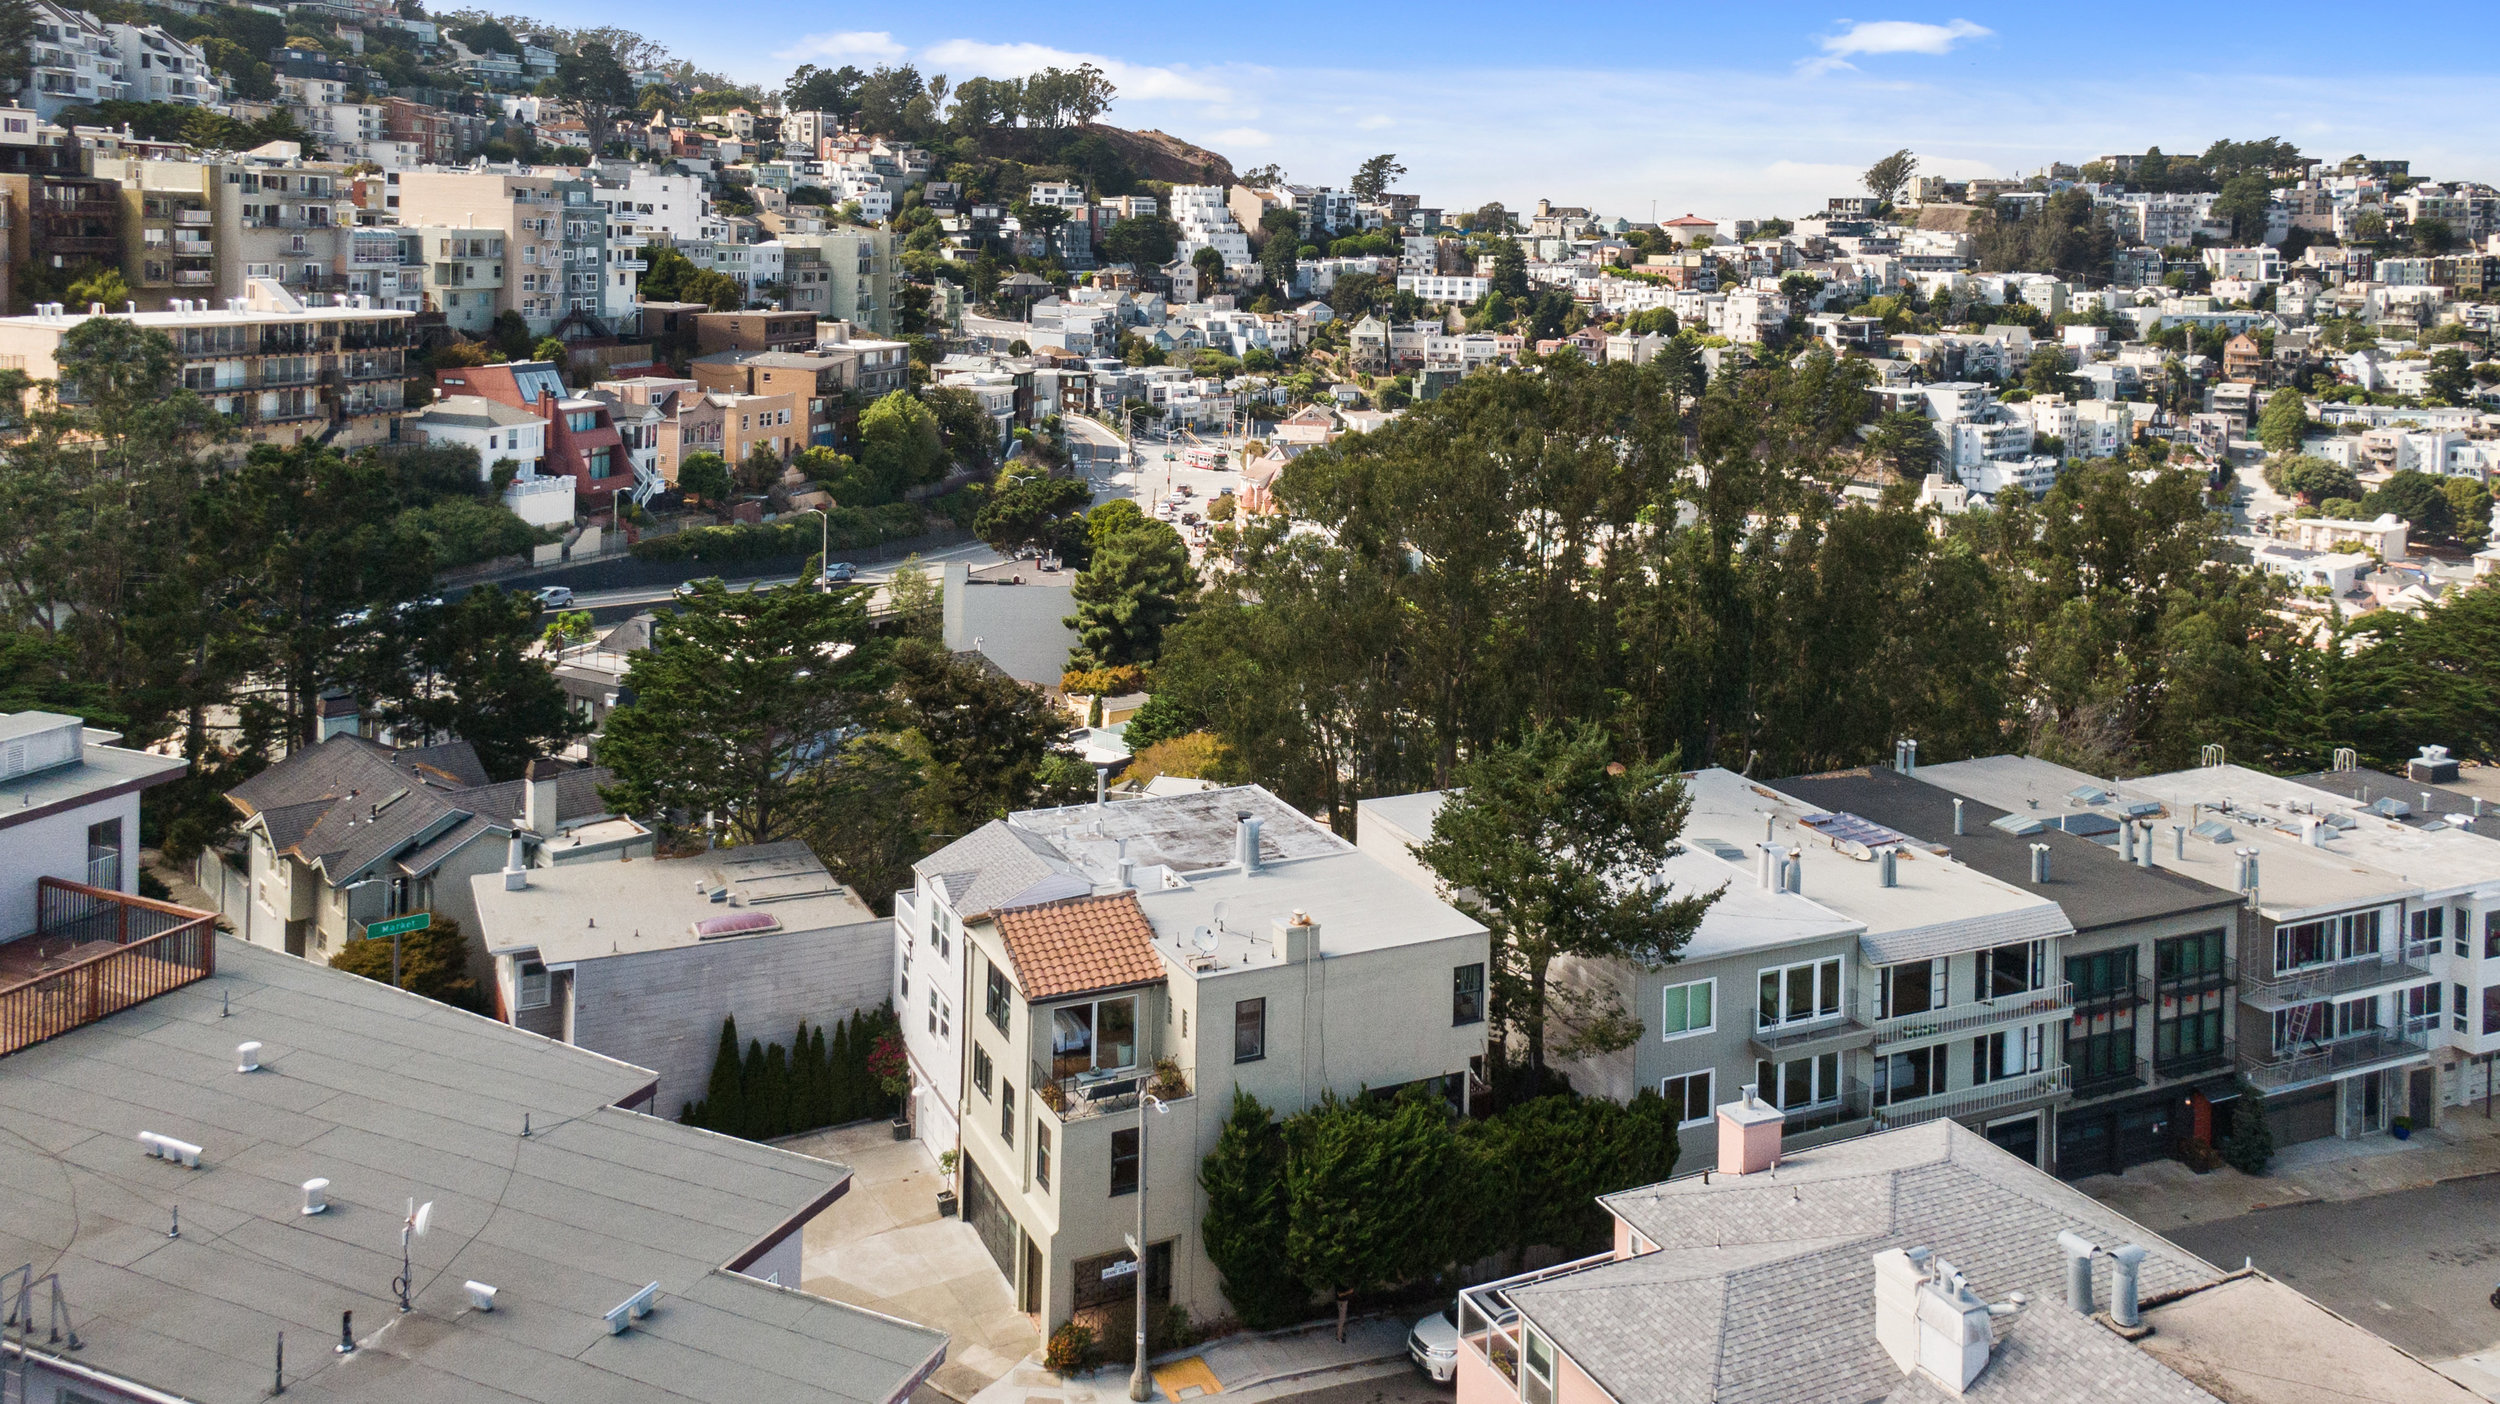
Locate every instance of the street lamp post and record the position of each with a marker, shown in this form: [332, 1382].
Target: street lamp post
[824, 539]
[1141, 1384]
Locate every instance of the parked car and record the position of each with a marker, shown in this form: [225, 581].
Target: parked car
[555, 596]
[841, 573]
[687, 590]
[1433, 1344]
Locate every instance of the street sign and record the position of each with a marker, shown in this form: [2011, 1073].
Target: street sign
[398, 926]
[1120, 1269]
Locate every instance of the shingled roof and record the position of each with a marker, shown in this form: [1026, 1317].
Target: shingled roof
[1081, 944]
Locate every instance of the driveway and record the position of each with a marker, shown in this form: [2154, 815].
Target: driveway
[884, 1247]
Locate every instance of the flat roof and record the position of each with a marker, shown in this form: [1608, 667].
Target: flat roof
[1185, 833]
[1937, 906]
[393, 1097]
[2292, 878]
[102, 771]
[1359, 903]
[2086, 876]
[2252, 1340]
[2454, 804]
[583, 911]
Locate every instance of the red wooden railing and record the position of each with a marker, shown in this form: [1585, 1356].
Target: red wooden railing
[156, 947]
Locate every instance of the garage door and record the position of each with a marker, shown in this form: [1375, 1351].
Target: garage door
[2302, 1116]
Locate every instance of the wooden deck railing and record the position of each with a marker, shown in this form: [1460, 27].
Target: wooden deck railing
[155, 947]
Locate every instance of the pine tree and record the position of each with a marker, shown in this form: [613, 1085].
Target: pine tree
[845, 1092]
[1244, 1177]
[776, 1097]
[751, 1095]
[720, 1107]
[820, 1109]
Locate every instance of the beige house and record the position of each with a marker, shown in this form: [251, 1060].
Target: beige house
[1099, 960]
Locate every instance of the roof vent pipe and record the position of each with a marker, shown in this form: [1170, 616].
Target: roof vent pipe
[1888, 865]
[1248, 840]
[516, 875]
[1957, 818]
[247, 1057]
[2144, 846]
[2126, 842]
[2127, 1260]
[2079, 1254]
[1770, 860]
[1911, 748]
[1796, 870]
[2039, 863]
[2178, 841]
[316, 1197]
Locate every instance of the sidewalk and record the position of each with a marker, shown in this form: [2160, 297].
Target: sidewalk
[1244, 1366]
[2166, 1194]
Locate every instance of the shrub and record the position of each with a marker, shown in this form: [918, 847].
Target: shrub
[433, 962]
[819, 1080]
[2249, 1148]
[1073, 1350]
[465, 530]
[852, 528]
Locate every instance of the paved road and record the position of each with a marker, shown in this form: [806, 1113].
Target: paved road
[2416, 1266]
[1397, 1384]
[637, 596]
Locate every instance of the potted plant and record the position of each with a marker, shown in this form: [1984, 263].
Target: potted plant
[892, 1071]
[946, 1190]
[2402, 1128]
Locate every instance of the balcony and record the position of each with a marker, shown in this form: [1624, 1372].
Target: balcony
[1819, 1036]
[2052, 1001]
[2202, 1064]
[95, 952]
[2004, 1094]
[1855, 1103]
[193, 219]
[1489, 1325]
[194, 277]
[2324, 1062]
[2321, 982]
[1102, 1094]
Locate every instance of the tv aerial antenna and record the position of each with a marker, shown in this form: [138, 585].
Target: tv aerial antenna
[410, 1228]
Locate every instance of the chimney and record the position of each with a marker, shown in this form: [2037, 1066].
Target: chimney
[1899, 1273]
[1957, 816]
[516, 873]
[2039, 863]
[2125, 1284]
[1246, 841]
[1297, 938]
[1954, 1336]
[1886, 864]
[538, 797]
[1749, 1134]
[2080, 1252]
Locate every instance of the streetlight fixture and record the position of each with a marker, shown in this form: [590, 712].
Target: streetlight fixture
[1140, 1384]
[824, 538]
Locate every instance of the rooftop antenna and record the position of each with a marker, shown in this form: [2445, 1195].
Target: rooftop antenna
[1220, 909]
[225, 1004]
[413, 1227]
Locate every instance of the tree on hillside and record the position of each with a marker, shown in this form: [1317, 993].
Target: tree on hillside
[1147, 241]
[2418, 498]
[741, 706]
[1553, 845]
[899, 445]
[17, 34]
[1887, 177]
[1373, 179]
[989, 741]
[463, 670]
[704, 475]
[433, 963]
[1030, 509]
[2285, 421]
[598, 87]
[1134, 588]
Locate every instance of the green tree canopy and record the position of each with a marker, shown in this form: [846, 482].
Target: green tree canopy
[1134, 588]
[464, 670]
[2285, 421]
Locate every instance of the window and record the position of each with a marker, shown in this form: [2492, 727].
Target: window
[2351, 937]
[1914, 988]
[1007, 1112]
[1041, 1154]
[1793, 994]
[1100, 1036]
[941, 1019]
[1902, 1077]
[1249, 1030]
[2013, 1052]
[2420, 1006]
[1124, 1162]
[1686, 1009]
[2102, 974]
[2323, 1022]
[602, 463]
[983, 1071]
[2491, 935]
[533, 986]
[2189, 957]
[1689, 1096]
[581, 421]
[999, 997]
[941, 928]
[2426, 931]
[2012, 970]
[1799, 1082]
[104, 854]
[1536, 1383]
[1467, 995]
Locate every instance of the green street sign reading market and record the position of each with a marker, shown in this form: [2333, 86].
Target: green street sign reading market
[398, 926]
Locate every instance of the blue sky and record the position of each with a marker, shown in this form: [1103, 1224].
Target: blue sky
[1728, 111]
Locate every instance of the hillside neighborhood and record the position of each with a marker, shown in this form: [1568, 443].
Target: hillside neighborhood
[873, 740]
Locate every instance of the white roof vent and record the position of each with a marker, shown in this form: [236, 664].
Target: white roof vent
[481, 1296]
[316, 1197]
[247, 1057]
[634, 1308]
[167, 1148]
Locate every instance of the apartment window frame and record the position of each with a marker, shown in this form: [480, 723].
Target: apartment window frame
[984, 1070]
[2335, 940]
[2010, 971]
[1041, 1153]
[1894, 982]
[530, 984]
[1062, 1023]
[1536, 1367]
[1679, 1090]
[105, 854]
[2001, 1054]
[1467, 1002]
[941, 1018]
[1007, 1110]
[999, 997]
[1822, 1078]
[1777, 985]
[1250, 1018]
[1125, 1166]
[1927, 1062]
[1676, 1007]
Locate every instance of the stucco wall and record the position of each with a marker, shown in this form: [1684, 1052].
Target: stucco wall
[56, 846]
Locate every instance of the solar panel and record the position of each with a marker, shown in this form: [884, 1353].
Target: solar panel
[1845, 828]
[736, 924]
[2089, 825]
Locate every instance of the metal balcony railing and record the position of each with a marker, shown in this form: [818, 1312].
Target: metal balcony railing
[2197, 1064]
[1855, 1103]
[2134, 1072]
[2322, 982]
[1081, 1098]
[193, 219]
[2322, 1062]
[2053, 1000]
[2000, 1095]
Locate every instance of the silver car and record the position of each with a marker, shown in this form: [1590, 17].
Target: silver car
[1433, 1344]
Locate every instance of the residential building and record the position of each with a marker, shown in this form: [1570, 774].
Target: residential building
[1206, 222]
[283, 370]
[643, 961]
[449, 1111]
[2149, 968]
[462, 273]
[60, 215]
[582, 440]
[73, 60]
[1059, 967]
[157, 67]
[349, 831]
[2383, 536]
[816, 380]
[754, 331]
[1434, 287]
[1936, 1269]
[168, 249]
[499, 434]
[555, 237]
[77, 816]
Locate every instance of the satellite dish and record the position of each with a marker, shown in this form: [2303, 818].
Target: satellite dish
[423, 1215]
[1220, 909]
[1204, 939]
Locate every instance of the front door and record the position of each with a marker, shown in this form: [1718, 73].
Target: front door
[2424, 1107]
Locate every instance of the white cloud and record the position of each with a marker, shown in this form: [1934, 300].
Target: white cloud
[1241, 136]
[1376, 122]
[1144, 82]
[1891, 37]
[846, 44]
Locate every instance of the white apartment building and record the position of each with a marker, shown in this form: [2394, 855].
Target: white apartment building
[1206, 222]
[1445, 288]
[1749, 318]
[157, 67]
[2256, 265]
[654, 202]
[77, 819]
[1057, 194]
[72, 59]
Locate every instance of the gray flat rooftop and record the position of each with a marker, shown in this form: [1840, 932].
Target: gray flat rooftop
[2086, 876]
[1360, 904]
[392, 1097]
[2452, 805]
[1185, 833]
[1937, 907]
[582, 911]
[103, 770]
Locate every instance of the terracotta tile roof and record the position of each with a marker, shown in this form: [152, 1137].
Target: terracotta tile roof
[1083, 943]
